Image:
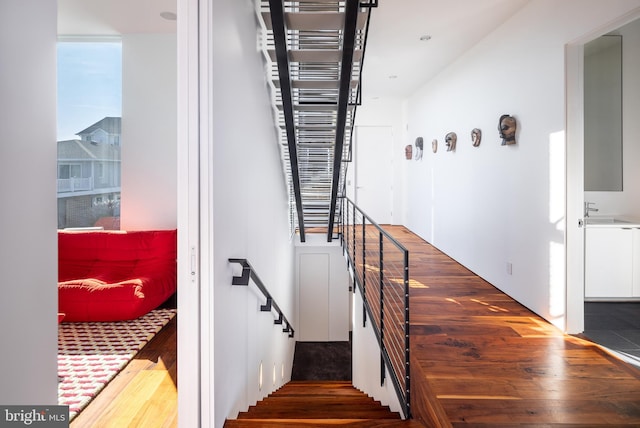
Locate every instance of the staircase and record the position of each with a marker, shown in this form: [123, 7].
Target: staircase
[318, 403]
[315, 53]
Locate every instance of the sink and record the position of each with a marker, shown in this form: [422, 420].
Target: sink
[605, 220]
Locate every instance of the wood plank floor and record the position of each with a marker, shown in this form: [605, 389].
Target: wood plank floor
[481, 359]
[144, 393]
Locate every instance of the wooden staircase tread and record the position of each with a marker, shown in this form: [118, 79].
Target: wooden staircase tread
[334, 414]
[319, 384]
[359, 423]
[287, 404]
[314, 405]
[317, 394]
[320, 399]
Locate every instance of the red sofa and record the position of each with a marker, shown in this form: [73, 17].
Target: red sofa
[114, 275]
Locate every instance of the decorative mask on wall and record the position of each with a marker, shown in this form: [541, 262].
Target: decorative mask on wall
[434, 146]
[450, 140]
[476, 136]
[408, 151]
[419, 148]
[507, 129]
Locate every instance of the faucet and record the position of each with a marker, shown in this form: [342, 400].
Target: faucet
[588, 208]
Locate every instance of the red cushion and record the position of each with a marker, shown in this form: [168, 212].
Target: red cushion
[114, 275]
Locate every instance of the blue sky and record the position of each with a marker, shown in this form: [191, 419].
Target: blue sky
[89, 85]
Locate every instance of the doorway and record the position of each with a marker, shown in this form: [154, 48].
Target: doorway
[576, 310]
[374, 172]
[148, 33]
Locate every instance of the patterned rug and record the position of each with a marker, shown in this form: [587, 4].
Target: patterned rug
[90, 354]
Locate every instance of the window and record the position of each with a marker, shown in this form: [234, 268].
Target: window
[89, 127]
[69, 171]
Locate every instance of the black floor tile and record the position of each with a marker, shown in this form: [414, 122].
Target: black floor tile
[605, 322]
[631, 335]
[610, 339]
[614, 325]
[322, 361]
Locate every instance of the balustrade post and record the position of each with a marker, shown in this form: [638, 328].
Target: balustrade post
[407, 343]
[341, 225]
[364, 259]
[355, 266]
[381, 287]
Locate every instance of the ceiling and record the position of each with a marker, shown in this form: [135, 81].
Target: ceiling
[319, 70]
[114, 17]
[394, 47]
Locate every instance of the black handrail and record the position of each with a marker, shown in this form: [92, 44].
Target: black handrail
[249, 272]
[385, 296]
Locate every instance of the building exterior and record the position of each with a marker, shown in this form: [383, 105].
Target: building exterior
[89, 169]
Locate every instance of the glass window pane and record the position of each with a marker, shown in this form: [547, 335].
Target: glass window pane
[89, 129]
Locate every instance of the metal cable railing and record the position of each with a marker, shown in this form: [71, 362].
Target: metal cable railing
[380, 267]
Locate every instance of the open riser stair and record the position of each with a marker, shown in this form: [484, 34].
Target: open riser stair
[318, 403]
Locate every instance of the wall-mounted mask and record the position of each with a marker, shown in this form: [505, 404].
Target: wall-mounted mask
[419, 147]
[450, 140]
[507, 129]
[434, 146]
[408, 151]
[476, 136]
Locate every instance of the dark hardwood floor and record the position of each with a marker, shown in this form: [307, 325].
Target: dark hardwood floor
[481, 359]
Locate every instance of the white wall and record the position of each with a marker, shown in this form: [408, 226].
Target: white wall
[249, 214]
[366, 360]
[28, 248]
[493, 205]
[627, 202]
[149, 132]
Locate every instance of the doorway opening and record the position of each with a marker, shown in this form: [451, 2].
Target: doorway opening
[585, 314]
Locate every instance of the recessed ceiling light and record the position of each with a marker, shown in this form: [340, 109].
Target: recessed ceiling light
[425, 37]
[169, 16]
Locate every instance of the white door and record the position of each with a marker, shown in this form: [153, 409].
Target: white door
[314, 298]
[374, 172]
[574, 234]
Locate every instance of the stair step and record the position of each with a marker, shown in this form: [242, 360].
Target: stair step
[314, 411]
[317, 403]
[318, 388]
[317, 400]
[356, 423]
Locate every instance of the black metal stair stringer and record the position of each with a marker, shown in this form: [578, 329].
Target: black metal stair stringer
[282, 56]
[346, 69]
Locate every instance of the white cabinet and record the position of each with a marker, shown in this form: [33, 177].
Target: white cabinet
[612, 263]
